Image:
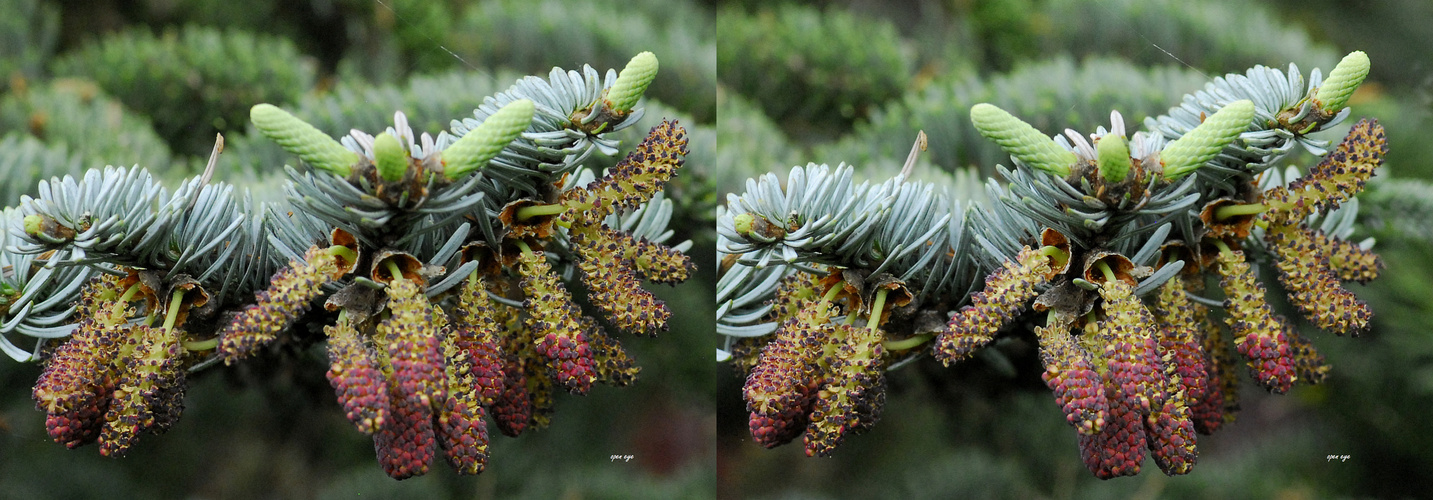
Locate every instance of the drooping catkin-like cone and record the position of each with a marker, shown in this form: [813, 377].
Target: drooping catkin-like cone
[1179, 347]
[405, 443]
[541, 388]
[1005, 294]
[153, 363]
[462, 432]
[1308, 363]
[613, 365]
[287, 298]
[554, 322]
[612, 281]
[512, 410]
[1340, 176]
[633, 180]
[1258, 334]
[655, 262]
[475, 329]
[1070, 373]
[1220, 403]
[79, 367]
[414, 346]
[1131, 351]
[854, 393]
[1311, 285]
[1118, 449]
[781, 388]
[168, 402]
[81, 424]
[1348, 259]
[1169, 432]
[356, 377]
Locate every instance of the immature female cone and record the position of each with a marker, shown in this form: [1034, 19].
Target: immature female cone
[1112, 157]
[357, 379]
[478, 146]
[1070, 373]
[1333, 95]
[854, 394]
[298, 137]
[1005, 294]
[1022, 140]
[632, 83]
[389, 157]
[1258, 334]
[1186, 154]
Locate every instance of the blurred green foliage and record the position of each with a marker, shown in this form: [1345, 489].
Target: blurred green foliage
[149, 82]
[811, 69]
[80, 116]
[192, 82]
[532, 36]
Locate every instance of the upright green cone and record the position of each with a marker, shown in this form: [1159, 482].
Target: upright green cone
[1186, 154]
[298, 137]
[632, 82]
[474, 150]
[1022, 140]
[1342, 81]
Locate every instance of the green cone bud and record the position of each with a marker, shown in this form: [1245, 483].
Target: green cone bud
[1188, 153]
[482, 144]
[1021, 140]
[632, 82]
[1342, 81]
[1113, 157]
[743, 223]
[298, 137]
[390, 158]
[32, 224]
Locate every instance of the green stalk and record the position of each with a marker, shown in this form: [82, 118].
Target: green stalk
[531, 211]
[1104, 268]
[910, 343]
[1228, 211]
[172, 315]
[876, 308]
[200, 345]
